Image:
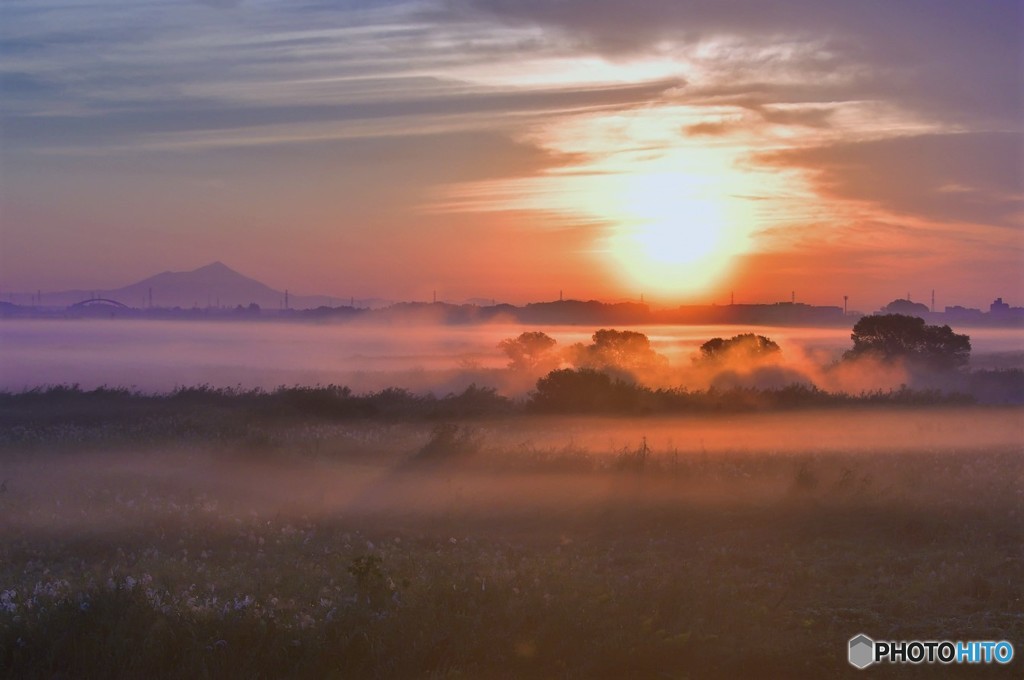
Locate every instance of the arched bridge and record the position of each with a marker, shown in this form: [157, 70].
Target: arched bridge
[98, 302]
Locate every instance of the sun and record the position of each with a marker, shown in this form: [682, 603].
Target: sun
[654, 210]
[675, 234]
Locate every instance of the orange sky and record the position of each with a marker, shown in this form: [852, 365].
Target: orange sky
[485, 149]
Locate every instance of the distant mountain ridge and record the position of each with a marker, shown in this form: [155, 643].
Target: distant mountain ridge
[213, 285]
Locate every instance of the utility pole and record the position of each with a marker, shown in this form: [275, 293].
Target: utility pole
[845, 300]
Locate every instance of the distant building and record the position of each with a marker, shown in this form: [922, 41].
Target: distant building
[999, 307]
[907, 307]
[781, 313]
[958, 314]
[1002, 314]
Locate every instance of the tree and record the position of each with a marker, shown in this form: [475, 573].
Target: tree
[531, 349]
[892, 337]
[743, 347]
[617, 350]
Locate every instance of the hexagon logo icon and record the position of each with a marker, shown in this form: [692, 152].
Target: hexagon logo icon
[862, 651]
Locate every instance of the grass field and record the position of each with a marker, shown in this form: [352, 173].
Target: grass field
[155, 544]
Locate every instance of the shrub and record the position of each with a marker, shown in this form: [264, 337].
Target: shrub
[587, 391]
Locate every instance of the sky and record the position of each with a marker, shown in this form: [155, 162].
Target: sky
[691, 151]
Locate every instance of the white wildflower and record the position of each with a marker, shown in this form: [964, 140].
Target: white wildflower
[7, 602]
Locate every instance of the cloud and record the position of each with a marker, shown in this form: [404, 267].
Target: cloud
[967, 177]
[710, 129]
[758, 116]
[223, 4]
[950, 59]
[125, 114]
[273, 73]
[811, 116]
[198, 123]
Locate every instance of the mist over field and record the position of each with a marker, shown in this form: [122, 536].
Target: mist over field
[506, 468]
[160, 356]
[183, 543]
[253, 499]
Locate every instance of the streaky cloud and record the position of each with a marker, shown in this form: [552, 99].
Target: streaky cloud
[970, 177]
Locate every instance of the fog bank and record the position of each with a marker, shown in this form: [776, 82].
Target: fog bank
[157, 356]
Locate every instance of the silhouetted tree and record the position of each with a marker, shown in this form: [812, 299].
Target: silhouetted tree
[617, 350]
[744, 347]
[529, 350]
[897, 336]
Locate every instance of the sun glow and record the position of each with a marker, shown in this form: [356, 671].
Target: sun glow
[676, 232]
[669, 213]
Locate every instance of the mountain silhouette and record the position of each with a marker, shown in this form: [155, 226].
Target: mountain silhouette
[213, 285]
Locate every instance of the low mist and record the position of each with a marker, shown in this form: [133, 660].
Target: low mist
[501, 466]
[155, 356]
[295, 533]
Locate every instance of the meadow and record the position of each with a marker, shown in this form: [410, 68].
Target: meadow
[238, 534]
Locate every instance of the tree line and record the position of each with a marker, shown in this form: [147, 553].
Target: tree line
[886, 338]
[606, 375]
[595, 377]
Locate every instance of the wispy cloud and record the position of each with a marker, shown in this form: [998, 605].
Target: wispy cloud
[809, 115]
[958, 177]
[949, 59]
